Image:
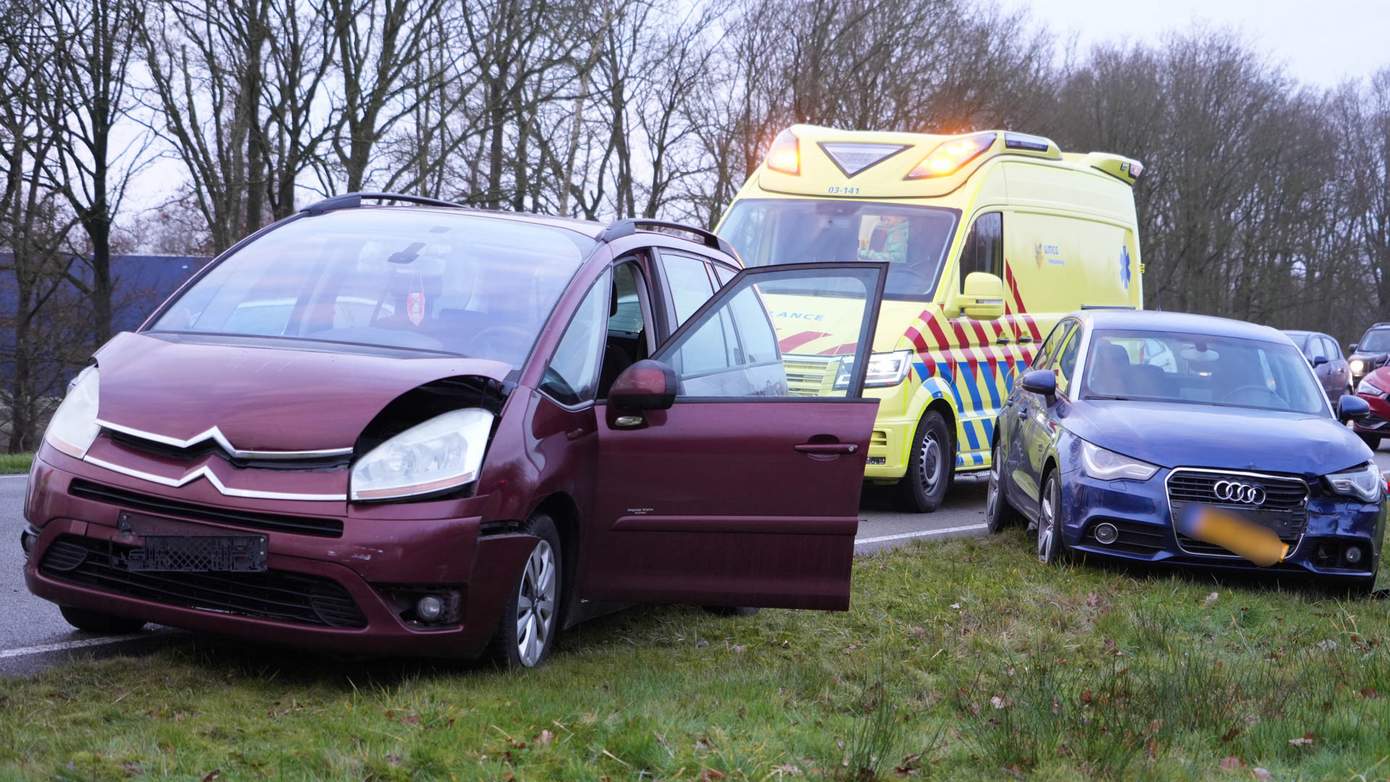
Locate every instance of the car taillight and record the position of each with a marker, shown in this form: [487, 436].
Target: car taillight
[785, 155]
[949, 156]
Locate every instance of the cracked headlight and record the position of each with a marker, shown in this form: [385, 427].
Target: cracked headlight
[73, 427]
[440, 454]
[1363, 483]
[1109, 466]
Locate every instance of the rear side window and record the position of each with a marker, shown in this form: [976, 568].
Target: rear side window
[1316, 347]
[687, 279]
[984, 247]
[1330, 346]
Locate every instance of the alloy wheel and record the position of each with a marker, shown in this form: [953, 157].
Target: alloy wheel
[535, 605]
[992, 491]
[1047, 527]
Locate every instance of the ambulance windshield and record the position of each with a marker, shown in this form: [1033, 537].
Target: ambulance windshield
[911, 239]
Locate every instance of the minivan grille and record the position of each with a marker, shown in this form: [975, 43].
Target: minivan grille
[273, 594]
[274, 522]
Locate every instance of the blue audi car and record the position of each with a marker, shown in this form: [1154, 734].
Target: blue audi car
[1184, 439]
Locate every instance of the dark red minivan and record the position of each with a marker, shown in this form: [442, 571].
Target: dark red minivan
[424, 429]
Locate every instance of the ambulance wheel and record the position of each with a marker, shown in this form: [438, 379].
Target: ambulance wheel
[930, 467]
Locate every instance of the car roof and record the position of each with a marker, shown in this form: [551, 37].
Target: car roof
[588, 228]
[1181, 322]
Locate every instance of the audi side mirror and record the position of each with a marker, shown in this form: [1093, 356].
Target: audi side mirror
[1041, 382]
[1352, 408]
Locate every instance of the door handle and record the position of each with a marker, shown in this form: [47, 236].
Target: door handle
[826, 449]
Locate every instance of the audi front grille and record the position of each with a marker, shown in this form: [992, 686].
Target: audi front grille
[1277, 502]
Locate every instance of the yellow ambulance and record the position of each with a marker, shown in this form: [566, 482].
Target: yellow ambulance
[989, 237]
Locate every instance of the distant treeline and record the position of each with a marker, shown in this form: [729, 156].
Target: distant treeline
[1263, 198]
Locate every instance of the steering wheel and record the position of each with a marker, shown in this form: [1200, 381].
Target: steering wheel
[1237, 392]
[498, 341]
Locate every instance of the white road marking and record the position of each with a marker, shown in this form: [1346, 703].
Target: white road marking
[926, 533]
[15, 475]
[24, 651]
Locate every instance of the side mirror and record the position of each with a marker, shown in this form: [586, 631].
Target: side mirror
[646, 385]
[1351, 347]
[982, 296]
[1317, 361]
[1352, 408]
[1043, 382]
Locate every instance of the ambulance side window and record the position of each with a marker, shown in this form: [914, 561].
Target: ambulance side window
[984, 247]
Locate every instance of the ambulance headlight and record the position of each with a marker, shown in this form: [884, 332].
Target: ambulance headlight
[888, 369]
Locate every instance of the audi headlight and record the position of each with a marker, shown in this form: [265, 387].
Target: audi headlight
[442, 453]
[1363, 483]
[1358, 366]
[887, 369]
[1109, 466]
[73, 427]
[1367, 387]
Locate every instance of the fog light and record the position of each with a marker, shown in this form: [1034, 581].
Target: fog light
[1106, 533]
[27, 539]
[429, 608]
[1353, 555]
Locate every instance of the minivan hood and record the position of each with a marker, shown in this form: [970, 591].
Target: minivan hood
[1183, 435]
[261, 395]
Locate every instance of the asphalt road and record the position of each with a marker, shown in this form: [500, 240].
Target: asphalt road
[33, 634]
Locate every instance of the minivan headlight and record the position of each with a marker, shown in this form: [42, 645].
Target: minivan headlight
[442, 453]
[1110, 466]
[1363, 483]
[887, 369]
[74, 427]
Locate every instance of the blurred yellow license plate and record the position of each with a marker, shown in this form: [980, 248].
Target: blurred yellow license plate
[1233, 532]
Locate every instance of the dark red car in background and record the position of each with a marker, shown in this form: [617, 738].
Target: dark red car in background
[1375, 389]
[432, 430]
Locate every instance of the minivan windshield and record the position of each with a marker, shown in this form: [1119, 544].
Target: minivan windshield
[911, 239]
[1199, 369]
[406, 278]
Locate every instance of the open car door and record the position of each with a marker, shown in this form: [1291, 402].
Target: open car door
[731, 463]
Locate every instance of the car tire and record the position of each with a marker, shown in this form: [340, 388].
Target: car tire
[99, 622]
[732, 611]
[531, 619]
[998, 512]
[930, 467]
[1051, 548]
[1372, 440]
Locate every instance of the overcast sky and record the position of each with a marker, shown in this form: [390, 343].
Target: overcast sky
[1321, 42]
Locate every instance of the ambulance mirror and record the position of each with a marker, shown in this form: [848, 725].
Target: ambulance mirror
[982, 296]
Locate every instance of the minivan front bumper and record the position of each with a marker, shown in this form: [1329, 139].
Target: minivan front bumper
[345, 593]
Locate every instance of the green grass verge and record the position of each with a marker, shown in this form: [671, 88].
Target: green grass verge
[965, 659]
[15, 463]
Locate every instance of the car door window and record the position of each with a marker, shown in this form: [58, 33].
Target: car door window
[573, 372]
[731, 348]
[984, 247]
[1316, 348]
[1066, 361]
[1334, 353]
[687, 283]
[628, 323]
[1047, 355]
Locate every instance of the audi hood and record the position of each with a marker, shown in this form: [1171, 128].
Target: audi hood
[261, 394]
[1233, 438]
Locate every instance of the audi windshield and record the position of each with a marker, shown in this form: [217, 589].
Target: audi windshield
[1200, 369]
[413, 279]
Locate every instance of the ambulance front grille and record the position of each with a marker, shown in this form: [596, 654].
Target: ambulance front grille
[810, 375]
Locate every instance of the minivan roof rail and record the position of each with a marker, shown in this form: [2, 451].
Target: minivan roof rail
[621, 228]
[354, 200]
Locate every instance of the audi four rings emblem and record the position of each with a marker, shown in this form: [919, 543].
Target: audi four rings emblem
[1235, 491]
